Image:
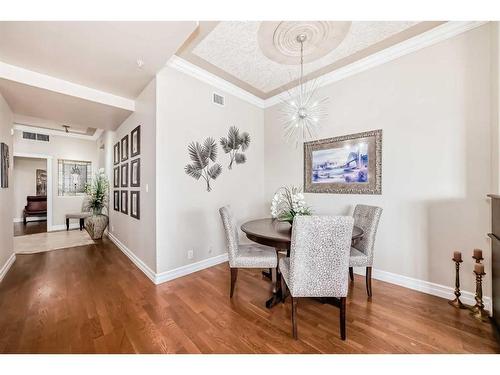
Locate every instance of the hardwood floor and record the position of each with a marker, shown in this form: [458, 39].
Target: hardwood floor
[31, 227]
[92, 299]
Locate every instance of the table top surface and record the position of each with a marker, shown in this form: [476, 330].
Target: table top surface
[279, 231]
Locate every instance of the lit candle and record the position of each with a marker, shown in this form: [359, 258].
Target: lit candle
[479, 268]
[457, 256]
[478, 254]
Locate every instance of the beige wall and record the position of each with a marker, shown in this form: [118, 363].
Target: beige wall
[434, 108]
[6, 194]
[137, 235]
[60, 148]
[187, 215]
[24, 179]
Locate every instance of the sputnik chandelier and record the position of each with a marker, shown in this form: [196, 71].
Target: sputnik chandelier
[302, 110]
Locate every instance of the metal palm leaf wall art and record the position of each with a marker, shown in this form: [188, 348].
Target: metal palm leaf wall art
[201, 155]
[235, 144]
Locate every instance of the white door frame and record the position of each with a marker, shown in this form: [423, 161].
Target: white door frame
[49, 181]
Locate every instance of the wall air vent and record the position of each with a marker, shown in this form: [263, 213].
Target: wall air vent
[218, 99]
[36, 136]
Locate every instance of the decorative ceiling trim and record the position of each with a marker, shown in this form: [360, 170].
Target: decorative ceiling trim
[43, 81]
[59, 133]
[194, 71]
[426, 39]
[438, 34]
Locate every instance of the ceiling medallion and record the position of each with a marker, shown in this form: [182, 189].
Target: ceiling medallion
[277, 40]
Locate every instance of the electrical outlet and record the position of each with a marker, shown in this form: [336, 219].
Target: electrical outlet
[190, 254]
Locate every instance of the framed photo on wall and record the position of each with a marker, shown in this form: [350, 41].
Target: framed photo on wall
[135, 173]
[116, 200]
[124, 148]
[124, 202]
[135, 141]
[349, 164]
[116, 177]
[4, 165]
[116, 153]
[135, 204]
[124, 175]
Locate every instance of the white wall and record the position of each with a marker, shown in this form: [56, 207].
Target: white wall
[434, 108]
[187, 215]
[137, 235]
[6, 194]
[24, 179]
[60, 148]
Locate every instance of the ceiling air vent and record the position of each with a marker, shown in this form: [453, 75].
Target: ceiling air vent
[36, 136]
[218, 99]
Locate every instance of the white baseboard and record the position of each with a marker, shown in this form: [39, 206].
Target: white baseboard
[29, 219]
[158, 278]
[138, 262]
[190, 268]
[6, 267]
[424, 286]
[54, 228]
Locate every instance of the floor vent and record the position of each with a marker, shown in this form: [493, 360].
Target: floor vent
[218, 99]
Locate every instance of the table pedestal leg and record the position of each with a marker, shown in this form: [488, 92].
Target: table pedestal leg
[277, 292]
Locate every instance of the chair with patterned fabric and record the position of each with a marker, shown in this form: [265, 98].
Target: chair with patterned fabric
[245, 256]
[318, 262]
[366, 218]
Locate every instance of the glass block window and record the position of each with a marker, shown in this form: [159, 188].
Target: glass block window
[72, 176]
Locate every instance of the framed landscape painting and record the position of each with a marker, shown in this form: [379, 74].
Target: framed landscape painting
[135, 173]
[124, 202]
[124, 175]
[116, 153]
[116, 177]
[135, 140]
[349, 164]
[116, 200]
[135, 204]
[124, 148]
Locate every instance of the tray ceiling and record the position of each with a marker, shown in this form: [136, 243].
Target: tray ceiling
[245, 53]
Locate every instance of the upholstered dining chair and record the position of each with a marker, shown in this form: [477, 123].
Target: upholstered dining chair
[366, 218]
[245, 256]
[318, 262]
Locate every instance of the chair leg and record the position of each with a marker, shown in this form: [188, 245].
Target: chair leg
[351, 274]
[283, 289]
[67, 224]
[294, 317]
[342, 317]
[234, 276]
[81, 224]
[369, 281]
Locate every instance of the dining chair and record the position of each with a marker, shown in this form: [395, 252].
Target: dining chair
[245, 256]
[318, 262]
[366, 218]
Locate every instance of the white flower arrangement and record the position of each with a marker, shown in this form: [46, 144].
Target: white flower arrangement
[287, 203]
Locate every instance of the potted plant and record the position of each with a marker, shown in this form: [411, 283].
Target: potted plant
[287, 203]
[96, 200]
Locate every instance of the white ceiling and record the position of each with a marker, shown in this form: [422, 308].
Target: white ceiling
[233, 51]
[101, 55]
[65, 109]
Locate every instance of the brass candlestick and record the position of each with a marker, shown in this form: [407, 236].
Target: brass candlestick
[456, 302]
[477, 311]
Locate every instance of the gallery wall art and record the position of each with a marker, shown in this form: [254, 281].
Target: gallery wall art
[349, 164]
[4, 165]
[127, 163]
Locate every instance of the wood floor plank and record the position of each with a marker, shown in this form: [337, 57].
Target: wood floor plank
[92, 299]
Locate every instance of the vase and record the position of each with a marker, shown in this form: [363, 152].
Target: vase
[95, 225]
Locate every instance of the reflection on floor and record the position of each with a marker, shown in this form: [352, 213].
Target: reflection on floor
[31, 227]
[92, 299]
[39, 242]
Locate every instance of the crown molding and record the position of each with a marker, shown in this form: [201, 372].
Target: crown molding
[58, 133]
[194, 71]
[43, 81]
[438, 34]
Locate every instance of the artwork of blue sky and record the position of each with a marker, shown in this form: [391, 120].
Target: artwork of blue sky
[347, 164]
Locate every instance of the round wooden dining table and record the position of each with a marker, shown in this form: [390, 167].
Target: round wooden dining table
[278, 234]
